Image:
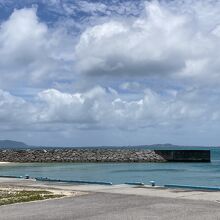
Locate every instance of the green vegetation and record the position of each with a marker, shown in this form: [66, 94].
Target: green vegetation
[9, 197]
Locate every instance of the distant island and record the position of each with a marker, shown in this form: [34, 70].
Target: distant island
[12, 144]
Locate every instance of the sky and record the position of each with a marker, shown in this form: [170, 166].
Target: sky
[110, 72]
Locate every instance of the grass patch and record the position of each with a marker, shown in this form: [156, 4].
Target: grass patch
[10, 197]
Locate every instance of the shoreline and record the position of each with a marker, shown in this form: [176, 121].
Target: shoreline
[5, 163]
[121, 189]
[117, 200]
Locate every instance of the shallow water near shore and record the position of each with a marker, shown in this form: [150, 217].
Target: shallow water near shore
[202, 174]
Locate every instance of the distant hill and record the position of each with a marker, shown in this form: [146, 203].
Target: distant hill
[12, 144]
[9, 144]
[172, 147]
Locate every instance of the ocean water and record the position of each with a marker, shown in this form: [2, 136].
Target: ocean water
[201, 174]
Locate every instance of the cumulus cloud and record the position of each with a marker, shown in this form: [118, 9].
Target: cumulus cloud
[135, 48]
[156, 69]
[101, 108]
[15, 112]
[31, 53]
[70, 108]
[161, 42]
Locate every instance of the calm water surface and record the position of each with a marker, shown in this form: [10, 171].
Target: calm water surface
[163, 173]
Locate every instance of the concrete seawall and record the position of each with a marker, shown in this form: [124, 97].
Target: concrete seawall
[185, 155]
[103, 155]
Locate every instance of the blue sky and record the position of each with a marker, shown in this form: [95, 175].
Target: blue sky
[87, 73]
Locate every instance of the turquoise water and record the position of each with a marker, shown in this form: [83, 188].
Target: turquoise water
[203, 174]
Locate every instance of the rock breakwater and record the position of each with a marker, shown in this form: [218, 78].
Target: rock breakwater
[79, 155]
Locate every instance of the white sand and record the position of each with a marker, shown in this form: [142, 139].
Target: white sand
[4, 163]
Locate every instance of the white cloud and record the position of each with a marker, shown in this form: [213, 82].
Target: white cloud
[53, 112]
[70, 108]
[161, 43]
[92, 7]
[31, 54]
[15, 112]
[100, 107]
[153, 71]
[132, 86]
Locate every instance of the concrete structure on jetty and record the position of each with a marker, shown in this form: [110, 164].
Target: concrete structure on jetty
[102, 155]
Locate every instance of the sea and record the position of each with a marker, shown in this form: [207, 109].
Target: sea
[198, 174]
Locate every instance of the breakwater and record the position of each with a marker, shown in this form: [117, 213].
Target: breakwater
[102, 155]
[185, 155]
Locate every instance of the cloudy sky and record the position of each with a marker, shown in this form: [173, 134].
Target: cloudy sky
[110, 72]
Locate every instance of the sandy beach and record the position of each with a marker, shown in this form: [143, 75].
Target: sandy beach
[31, 184]
[5, 163]
[146, 190]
